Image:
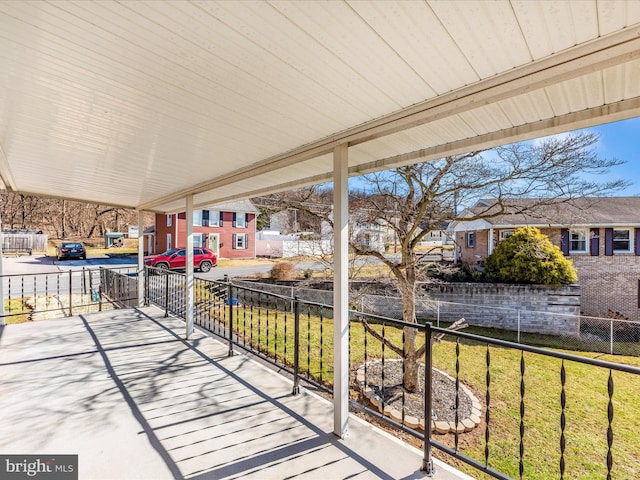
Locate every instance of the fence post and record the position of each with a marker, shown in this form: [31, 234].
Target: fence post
[611, 337]
[100, 288]
[70, 293]
[427, 460]
[166, 294]
[296, 346]
[230, 325]
[438, 306]
[145, 276]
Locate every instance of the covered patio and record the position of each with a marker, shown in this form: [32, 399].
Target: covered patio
[173, 106]
[125, 392]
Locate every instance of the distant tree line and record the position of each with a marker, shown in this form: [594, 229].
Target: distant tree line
[65, 218]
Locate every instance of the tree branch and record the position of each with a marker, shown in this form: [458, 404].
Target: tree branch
[375, 334]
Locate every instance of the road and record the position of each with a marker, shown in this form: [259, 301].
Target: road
[24, 264]
[25, 275]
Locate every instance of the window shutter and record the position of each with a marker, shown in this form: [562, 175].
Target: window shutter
[234, 219]
[608, 241]
[246, 240]
[205, 218]
[595, 242]
[637, 241]
[234, 241]
[246, 220]
[220, 220]
[564, 241]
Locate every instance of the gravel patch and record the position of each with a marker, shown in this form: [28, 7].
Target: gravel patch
[412, 403]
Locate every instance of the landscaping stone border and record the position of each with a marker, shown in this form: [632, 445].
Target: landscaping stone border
[465, 424]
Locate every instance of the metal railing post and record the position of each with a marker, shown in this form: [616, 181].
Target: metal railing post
[518, 325]
[100, 288]
[230, 325]
[145, 277]
[166, 295]
[427, 460]
[296, 346]
[70, 293]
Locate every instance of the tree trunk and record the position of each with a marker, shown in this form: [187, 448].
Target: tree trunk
[411, 362]
[24, 211]
[64, 219]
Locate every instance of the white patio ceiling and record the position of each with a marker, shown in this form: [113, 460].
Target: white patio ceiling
[140, 103]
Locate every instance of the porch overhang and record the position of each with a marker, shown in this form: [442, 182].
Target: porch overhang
[141, 105]
[175, 105]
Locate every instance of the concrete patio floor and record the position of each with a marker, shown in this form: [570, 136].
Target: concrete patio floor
[124, 392]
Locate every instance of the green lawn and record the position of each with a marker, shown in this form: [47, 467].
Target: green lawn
[585, 411]
[585, 390]
[14, 309]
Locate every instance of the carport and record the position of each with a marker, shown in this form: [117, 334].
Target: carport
[170, 106]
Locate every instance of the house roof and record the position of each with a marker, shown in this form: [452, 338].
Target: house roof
[141, 104]
[593, 211]
[242, 206]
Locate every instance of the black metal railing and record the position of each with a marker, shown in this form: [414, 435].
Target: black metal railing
[120, 288]
[37, 296]
[537, 413]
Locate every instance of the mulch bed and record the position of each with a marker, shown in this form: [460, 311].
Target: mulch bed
[412, 403]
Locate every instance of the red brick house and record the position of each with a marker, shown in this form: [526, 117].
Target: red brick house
[228, 229]
[600, 235]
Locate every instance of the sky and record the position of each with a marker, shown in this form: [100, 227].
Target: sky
[620, 140]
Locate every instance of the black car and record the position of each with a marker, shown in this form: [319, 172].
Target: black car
[71, 250]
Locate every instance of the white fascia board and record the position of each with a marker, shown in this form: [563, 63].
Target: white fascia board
[462, 226]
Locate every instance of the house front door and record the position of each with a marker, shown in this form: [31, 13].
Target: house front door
[214, 243]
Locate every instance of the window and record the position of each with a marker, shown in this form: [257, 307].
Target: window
[471, 239]
[197, 218]
[169, 220]
[621, 240]
[240, 219]
[578, 241]
[504, 234]
[214, 219]
[240, 241]
[198, 240]
[168, 241]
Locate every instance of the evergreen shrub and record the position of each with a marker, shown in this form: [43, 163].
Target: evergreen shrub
[528, 256]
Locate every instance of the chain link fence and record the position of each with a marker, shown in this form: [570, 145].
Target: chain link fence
[571, 332]
[580, 332]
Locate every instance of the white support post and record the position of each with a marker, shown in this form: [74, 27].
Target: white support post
[141, 258]
[490, 242]
[340, 291]
[190, 297]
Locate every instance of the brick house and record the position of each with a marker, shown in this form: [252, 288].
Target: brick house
[600, 235]
[228, 229]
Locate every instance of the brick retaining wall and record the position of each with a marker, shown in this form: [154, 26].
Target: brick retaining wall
[550, 310]
[543, 309]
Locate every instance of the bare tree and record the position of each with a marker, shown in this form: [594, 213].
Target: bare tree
[414, 200]
[64, 218]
